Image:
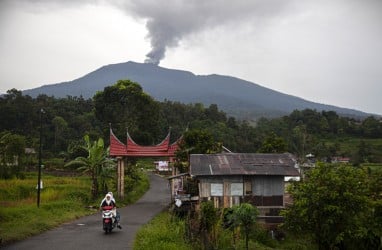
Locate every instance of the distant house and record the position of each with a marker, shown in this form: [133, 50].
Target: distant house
[339, 159]
[234, 178]
[162, 166]
[29, 151]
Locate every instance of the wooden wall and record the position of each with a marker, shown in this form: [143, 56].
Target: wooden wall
[227, 191]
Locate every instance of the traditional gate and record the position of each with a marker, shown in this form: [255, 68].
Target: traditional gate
[131, 149]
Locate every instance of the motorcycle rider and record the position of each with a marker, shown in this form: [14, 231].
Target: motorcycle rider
[112, 197]
[110, 201]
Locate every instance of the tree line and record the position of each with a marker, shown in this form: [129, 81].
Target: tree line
[124, 106]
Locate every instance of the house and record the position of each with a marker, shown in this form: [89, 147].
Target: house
[162, 166]
[232, 178]
[339, 159]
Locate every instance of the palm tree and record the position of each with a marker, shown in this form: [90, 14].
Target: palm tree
[96, 163]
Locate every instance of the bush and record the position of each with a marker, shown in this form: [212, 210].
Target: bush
[162, 233]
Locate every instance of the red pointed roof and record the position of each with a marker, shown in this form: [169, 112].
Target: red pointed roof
[117, 148]
[133, 146]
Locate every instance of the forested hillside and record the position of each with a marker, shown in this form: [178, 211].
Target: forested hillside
[236, 97]
[125, 105]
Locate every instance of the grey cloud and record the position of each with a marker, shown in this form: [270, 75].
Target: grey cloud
[168, 22]
[171, 21]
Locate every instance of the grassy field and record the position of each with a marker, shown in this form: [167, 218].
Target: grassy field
[62, 199]
[349, 145]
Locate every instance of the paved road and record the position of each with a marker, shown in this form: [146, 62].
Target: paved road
[87, 233]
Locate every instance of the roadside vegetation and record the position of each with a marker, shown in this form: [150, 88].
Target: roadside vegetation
[337, 206]
[168, 231]
[62, 199]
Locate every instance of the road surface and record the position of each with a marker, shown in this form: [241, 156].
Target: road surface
[87, 233]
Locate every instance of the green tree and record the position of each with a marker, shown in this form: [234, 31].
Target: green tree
[195, 142]
[12, 148]
[208, 224]
[95, 164]
[373, 220]
[363, 153]
[299, 142]
[333, 121]
[17, 113]
[125, 105]
[330, 205]
[244, 216]
[59, 127]
[372, 128]
[213, 114]
[273, 144]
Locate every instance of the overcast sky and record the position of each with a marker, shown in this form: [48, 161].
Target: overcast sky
[327, 51]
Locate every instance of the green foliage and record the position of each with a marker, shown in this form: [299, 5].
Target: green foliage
[18, 200]
[62, 199]
[208, 215]
[362, 154]
[166, 231]
[125, 105]
[333, 206]
[60, 125]
[97, 164]
[372, 128]
[162, 233]
[11, 153]
[135, 185]
[195, 142]
[273, 144]
[209, 219]
[75, 149]
[54, 163]
[244, 216]
[65, 119]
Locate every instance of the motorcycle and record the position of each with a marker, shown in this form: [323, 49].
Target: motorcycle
[109, 222]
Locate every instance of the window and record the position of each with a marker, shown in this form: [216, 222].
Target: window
[236, 189]
[216, 189]
[248, 187]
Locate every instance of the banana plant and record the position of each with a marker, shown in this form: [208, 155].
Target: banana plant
[96, 164]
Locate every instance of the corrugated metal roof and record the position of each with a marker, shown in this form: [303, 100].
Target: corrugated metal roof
[242, 164]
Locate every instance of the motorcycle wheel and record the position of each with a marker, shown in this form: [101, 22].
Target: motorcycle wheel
[108, 228]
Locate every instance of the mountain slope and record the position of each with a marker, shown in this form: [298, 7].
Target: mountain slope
[235, 96]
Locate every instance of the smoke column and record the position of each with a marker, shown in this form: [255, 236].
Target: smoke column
[171, 21]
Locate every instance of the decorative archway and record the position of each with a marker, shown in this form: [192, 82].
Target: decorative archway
[131, 149]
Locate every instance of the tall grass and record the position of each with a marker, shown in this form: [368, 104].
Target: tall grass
[162, 233]
[62, 199]
[166, 231]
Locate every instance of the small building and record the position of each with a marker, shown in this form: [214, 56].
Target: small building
[163, 167]
[234, 178]
[339, 159]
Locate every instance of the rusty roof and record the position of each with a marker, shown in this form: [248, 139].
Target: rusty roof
[243, 164]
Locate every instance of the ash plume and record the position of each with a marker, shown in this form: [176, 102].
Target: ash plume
[170, 22]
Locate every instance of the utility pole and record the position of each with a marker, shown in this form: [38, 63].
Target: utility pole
[39, 161]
